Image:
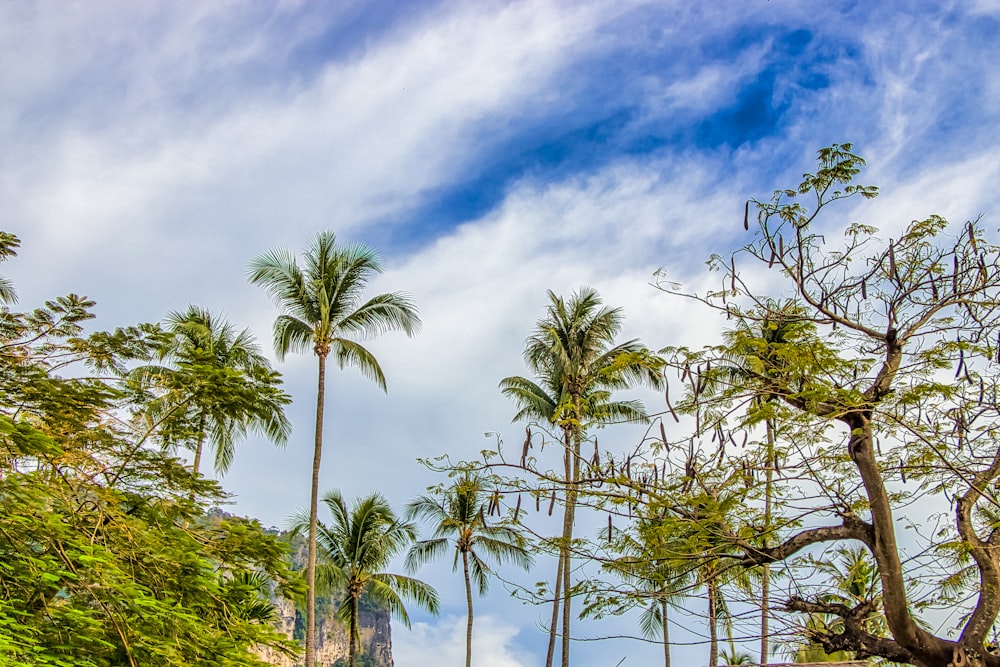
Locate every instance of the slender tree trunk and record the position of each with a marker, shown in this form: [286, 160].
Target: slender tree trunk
[713, 631]
[569, 516]
[765, 592]
[556, 600]
[313, 510]
[468, 603]
[352, 643]
[196, 466]
[666, 633]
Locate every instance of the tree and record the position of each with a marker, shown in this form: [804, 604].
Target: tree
[459, 517]
[219, 387]
[354, 550]
[895, 400]
[107, 554]
[648, 563]
[321, 310]
[573, 354]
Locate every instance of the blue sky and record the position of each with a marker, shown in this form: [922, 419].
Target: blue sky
[490, 151]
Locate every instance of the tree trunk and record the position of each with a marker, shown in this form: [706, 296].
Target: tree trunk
[313, 510]
[569, 516]
[468, 603]
[556, 599]
[713, 634]
[765, 592]
[666, 633]
[352, 643]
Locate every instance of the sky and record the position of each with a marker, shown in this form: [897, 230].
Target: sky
[489, 151]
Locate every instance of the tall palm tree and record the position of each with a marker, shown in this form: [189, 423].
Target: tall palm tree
[322, 311]
[354, 551]
[459, 518]
[228, 385]
[573, 353]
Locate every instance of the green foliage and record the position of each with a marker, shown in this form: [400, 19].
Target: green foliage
[107, 555]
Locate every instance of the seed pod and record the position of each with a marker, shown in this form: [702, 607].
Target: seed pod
[746, 217]
[770, 261]
[972, 237]
[892, 262]
[864, 290]
[609, 529]
[732, 268]
[552, 502]
[538, 502]
[902, 472]
[954, 274]
[527, 444]
[781, 247]
[517, 507]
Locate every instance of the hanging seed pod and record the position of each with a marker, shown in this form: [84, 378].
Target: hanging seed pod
[732, 268]
[892, 263]
[517, 507]
[864, 290]
[686, 371]
[482, 517]
[878, 446]
[524, 448]
[610, 528]
[552, 502]
[954, 274]
[744, 445]
[934, 288]
[961, 363]
[902, 472]
[770, 261]
[781, 247]
[666, 398]
[538, 502]
[746, 217]
[972, 237]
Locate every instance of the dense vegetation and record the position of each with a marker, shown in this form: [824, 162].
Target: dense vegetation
[844, 404]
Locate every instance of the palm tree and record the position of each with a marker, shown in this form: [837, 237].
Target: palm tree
[321, 310]
[757, 353]
[216, 388]
[227, 387]
[573, 354]
[354, 551]
[459, 515]
[650, 565]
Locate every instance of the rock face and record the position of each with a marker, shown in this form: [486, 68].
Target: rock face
[376, 636]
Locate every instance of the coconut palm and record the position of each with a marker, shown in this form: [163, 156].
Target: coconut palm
[322, 310]
[459, 517]
[649, 563]
[572, 352]
[757, 354]
[353, 552]
[228, 386]
[215, 389]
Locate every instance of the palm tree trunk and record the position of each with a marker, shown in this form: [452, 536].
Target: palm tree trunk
[569, 516]
[666, 634]
[765, 592]
[713, 633]
[201, 444]
[556, 599]
[313, 511]
[468, 602]
[352, 643]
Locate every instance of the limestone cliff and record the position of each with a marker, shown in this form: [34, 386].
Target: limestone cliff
[376, 636]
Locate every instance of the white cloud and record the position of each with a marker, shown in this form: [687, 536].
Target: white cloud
[443, 643]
